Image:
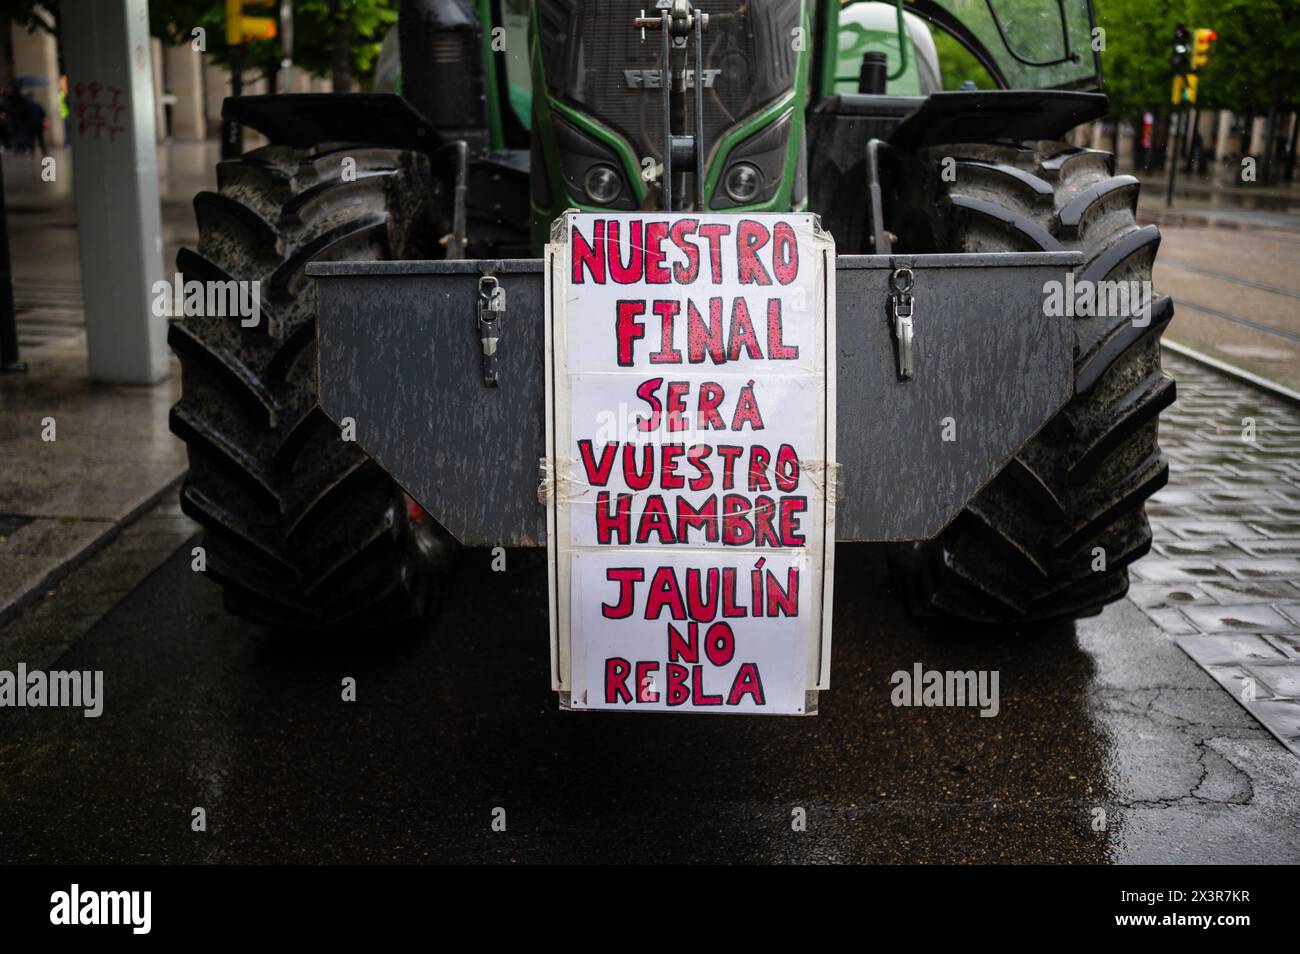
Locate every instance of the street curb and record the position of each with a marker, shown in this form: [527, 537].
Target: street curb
[60, 572]
[1197, 220]
[1271, 388]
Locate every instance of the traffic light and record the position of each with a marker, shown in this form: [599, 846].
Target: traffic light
[1184, 92]
[251, 20]
[1180, 61]
[1201, 51]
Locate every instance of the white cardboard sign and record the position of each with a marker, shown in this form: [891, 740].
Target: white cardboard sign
[690, 474]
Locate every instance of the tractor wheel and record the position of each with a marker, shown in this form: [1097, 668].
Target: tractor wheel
[1053, 534]
[302, 529]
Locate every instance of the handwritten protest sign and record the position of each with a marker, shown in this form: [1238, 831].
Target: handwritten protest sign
[690, 426]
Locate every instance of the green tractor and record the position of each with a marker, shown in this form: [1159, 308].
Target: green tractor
[511, 112]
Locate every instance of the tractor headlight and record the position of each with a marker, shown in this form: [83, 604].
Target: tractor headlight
[603, 184]
[743, 182]
[754, 171]
[589, 167]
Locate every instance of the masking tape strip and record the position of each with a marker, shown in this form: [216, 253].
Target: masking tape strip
[545, 483]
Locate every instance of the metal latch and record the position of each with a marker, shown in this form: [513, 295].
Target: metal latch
[491, 309]
[900, 318]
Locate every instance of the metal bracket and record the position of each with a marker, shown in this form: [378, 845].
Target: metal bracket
[677, 21]
[901, 308]
[491, 310]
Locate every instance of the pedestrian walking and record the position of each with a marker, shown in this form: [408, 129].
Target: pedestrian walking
[36, 120]
[11, 103]
[21, 120]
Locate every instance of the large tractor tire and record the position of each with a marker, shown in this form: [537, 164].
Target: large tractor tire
[1053, 534]
[302, 528]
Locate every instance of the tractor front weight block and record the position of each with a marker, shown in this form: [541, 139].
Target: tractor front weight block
[438, 367]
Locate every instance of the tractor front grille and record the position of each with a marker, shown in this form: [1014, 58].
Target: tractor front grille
[597, 62]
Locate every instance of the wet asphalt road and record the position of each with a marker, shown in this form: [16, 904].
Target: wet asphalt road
[456, 719]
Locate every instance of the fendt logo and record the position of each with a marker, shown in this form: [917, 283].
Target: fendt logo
[653, 79]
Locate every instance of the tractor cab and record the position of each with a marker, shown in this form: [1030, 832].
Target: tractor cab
[574, 90]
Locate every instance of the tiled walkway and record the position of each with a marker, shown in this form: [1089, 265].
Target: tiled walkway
[49, 311]
[112, 454]
[1224, 573]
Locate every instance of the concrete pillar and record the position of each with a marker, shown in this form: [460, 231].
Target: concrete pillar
[1206, 124]
[185, 75]
[159, 88]
[37, 54]
[216, 87]
[1127, 141]
[1222, 137]
[1099, 138]
[254, 87]
[1257, 130]
[115, 176]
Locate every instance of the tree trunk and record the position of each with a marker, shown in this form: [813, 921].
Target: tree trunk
[342, 65]
[1270, 138]
[1290, 152]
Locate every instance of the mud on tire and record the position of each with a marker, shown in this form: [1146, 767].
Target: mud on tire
[1026, 547]
[301, 528]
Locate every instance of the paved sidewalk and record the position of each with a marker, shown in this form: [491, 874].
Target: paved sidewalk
[111, 456]
[1153, 212]
[1210, 203]
[1224, 577]
[78, 461]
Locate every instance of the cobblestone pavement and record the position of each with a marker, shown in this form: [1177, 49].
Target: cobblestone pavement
[1224, 574]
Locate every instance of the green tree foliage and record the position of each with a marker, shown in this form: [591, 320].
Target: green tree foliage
[1255, 65]
[1255, 62]
[1135, 63]
[345, 35]
[330, 37]
[958, 65]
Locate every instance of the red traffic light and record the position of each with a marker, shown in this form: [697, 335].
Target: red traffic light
[1205, 38]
